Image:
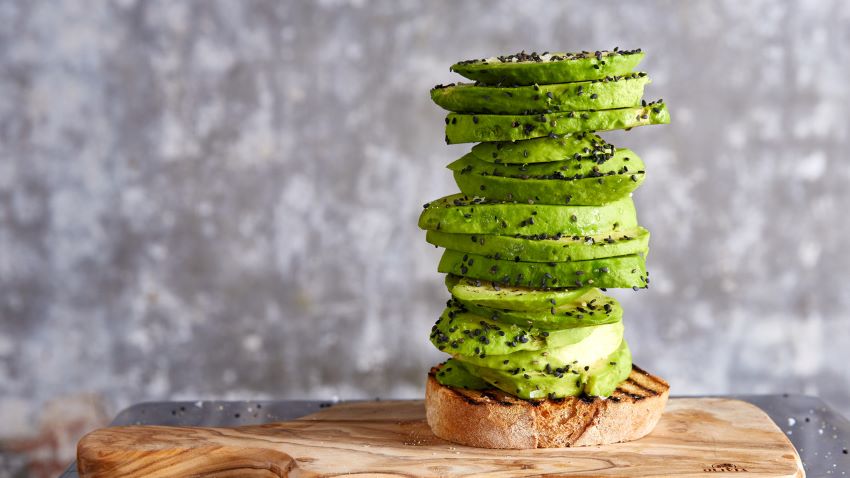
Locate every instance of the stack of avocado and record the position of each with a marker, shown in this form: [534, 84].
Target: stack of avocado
[544, 223]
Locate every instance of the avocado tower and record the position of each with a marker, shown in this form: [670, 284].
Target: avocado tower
[543, 225]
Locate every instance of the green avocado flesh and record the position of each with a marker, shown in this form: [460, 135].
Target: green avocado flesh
[548, 68]
[474, 215]
[543, 225]
[463, 333]
[589, 181]
[594, 308]
[603, 94]
[452, 373]
[556, 248]
[543, 150]
[491, 294]
[565, 169]
[611, 272]
[468, 128]
[600, 380]
[531, 362]
[604, 376]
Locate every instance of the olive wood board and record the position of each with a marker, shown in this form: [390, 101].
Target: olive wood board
[696, 437]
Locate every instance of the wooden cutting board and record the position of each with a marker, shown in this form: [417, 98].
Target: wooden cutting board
[696, 437]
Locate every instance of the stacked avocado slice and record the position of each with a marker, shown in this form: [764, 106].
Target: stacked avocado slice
[544, 222]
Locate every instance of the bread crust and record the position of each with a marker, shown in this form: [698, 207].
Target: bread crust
[495, 419]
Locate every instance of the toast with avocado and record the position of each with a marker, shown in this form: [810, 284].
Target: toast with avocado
[492, 418]
[543, 226]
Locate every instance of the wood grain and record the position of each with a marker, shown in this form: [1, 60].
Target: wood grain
[695, 438]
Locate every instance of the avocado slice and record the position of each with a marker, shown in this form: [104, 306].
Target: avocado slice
[547, 68]
[592, 367]
[602, 94]
[469, 128]
[453, 373]
[543, 150]
[462, 333]
[530, 384]
[490, 294]
[544, 248]
[600, 380]
[588, 181]
[606, 374]
[580, 191]
[595, 308]
[463, 214]
[586, 349]
[564, 169]
[612, 272]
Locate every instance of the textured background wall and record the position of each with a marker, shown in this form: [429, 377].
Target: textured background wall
[219, 199]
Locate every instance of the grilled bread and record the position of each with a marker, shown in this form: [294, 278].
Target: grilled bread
[494, 419]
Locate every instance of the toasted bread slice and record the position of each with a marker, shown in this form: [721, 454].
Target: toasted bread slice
[495, 419]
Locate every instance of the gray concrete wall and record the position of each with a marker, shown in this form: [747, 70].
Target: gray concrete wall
[219, 199]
